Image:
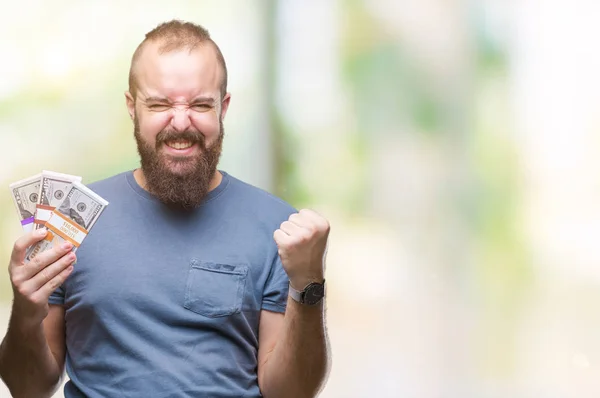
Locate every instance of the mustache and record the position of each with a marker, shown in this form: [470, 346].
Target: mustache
[195, 137]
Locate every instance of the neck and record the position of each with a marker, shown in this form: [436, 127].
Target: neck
[138, 174]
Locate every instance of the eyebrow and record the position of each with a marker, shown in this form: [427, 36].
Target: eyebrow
[168, 101]
[157, 99]
[202, 99]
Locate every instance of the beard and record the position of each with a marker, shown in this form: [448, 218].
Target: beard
[187, 187]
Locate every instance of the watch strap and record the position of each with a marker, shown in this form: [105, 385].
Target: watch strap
[296, 294]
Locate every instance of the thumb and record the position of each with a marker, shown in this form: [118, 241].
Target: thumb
[21, 245]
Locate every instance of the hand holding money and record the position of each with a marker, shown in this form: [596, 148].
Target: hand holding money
[64, 211]
[71, 220]
[37, 199]
[33, 282]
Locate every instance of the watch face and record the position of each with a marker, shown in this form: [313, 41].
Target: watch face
[314, 293]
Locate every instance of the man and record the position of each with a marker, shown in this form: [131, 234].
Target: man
[181, 288]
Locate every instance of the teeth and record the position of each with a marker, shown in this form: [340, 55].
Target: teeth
[179, 144]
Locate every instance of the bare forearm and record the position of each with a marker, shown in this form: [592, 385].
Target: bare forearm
[27, 365]
[298, 365]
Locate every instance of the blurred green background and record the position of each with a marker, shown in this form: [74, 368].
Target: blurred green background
[452, 144]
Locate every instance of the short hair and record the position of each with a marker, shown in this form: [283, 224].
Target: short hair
[177, 35]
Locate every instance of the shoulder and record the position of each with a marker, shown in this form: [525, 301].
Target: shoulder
[258, 200]
[109, 185]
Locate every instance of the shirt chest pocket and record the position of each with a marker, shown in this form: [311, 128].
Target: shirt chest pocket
[215, 290]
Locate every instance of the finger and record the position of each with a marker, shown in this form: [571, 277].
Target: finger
[50, 272]
[21, 245]
[281, 238]
[291, 228]
[314, 218]
[46, 290]
[43, 259]
[299, 220]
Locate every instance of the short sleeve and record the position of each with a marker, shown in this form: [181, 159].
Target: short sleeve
[276, 289]
[57, 296]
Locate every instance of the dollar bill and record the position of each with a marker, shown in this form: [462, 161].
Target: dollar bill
[72, 220]
[53, 189]
[25, 197]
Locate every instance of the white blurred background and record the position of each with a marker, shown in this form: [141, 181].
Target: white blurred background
[453, 144]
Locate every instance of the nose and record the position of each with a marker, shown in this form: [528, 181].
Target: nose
[180, 119]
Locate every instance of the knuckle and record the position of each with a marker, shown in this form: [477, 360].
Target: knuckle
[16, 279]
[22, 290]
[55, 283]
[45, 274]
[37, 262]
[18, 246]
[37, 299]
[14, 274]
[307, 236]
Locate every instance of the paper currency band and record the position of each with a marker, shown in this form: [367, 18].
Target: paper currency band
[27, 221]
[58, 224]
[42, 213]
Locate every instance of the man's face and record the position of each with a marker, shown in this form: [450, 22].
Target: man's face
[178, 113]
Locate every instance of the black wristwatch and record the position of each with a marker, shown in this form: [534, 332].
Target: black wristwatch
[312, 294]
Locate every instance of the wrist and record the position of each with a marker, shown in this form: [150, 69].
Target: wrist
[24, 325]
[312, 293]
[300, 282]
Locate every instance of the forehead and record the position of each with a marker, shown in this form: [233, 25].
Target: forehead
[180, 74]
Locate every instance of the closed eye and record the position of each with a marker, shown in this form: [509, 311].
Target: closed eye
[201, 107]
[159, 107]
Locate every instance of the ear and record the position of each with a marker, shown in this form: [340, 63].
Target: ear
[225, 105]
[130, 102]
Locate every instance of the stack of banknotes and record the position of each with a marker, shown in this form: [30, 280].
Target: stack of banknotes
[59, 202]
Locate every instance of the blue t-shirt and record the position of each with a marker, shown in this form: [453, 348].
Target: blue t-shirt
[166, 303]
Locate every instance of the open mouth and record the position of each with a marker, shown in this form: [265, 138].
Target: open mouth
[179, 144]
